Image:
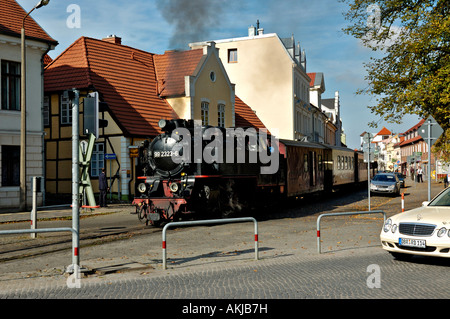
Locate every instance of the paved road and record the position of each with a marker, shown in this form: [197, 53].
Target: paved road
[218, 261]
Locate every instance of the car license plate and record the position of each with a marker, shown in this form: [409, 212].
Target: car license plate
[419, 243]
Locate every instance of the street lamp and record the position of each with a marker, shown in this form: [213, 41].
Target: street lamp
[23, 119]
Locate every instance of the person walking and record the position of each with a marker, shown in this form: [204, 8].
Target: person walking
[419, 175]
[103, 187]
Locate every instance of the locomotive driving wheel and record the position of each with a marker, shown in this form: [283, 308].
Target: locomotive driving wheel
[142, 211]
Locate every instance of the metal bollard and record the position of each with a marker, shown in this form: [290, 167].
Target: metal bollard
[207, 222]
[341, 214]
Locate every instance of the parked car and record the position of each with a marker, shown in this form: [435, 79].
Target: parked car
[385, 183]
[401, 178]
[420, 231]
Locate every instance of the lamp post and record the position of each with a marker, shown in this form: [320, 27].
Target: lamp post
[23, 110]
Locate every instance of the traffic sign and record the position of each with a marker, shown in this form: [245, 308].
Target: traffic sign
[110, 156]
[367, 137]
[434, 128]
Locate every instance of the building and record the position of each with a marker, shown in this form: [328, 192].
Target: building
[270, 75]
[137, 89]
[414, 151]
[38, 43]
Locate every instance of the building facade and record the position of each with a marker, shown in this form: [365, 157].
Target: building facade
[38, 43]
[270, 75]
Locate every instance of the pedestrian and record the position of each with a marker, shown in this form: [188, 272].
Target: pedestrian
[103, 187]
[445, 181]
[419, 175]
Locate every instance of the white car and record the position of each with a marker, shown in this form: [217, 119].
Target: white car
[420, 231]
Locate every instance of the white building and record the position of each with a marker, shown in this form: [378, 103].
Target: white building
[38, 43]
[270, 75]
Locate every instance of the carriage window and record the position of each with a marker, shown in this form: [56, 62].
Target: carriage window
[319, 157]
[305, 162]
[338, 164]
[346, 162]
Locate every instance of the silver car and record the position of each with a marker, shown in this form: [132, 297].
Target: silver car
[385, 183]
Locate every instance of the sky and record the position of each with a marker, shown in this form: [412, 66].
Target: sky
[159, 25]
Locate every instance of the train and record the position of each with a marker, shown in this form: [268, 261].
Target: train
[190, 170]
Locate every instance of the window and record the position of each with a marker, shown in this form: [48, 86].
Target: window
[97, 159]
[66, 110]
[221, 115]
[232, 56]
[46, 111]
[305, 162]
[338, 162]
[10, 165]
[10, 85]
[205, 113]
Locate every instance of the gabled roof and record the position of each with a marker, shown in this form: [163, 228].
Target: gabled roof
[384, 131]
[171, 68]
[245, 116]
[125, 78]
[415, 127]
[11, 16]
[317, 80]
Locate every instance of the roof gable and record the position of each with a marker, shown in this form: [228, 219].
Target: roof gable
[384, 131]
[11, 18]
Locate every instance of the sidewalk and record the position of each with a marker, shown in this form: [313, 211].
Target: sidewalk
[59, 211]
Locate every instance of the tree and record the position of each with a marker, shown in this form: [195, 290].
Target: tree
[412, 76]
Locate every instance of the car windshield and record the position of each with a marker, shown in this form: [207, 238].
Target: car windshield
[443, 199]
[384, 178]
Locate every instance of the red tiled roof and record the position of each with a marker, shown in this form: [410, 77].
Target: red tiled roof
[125, 78]
[415, 127]
[411, 140]
[47, 60]
[312, 76]
[245, 116]
[171, 68]
[11, 18]
[384, 131]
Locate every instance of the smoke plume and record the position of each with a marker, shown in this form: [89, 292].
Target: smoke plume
[192, 19]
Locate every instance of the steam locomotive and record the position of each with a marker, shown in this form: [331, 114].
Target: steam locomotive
[218, 172]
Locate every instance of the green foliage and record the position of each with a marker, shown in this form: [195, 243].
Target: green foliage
[412, 76]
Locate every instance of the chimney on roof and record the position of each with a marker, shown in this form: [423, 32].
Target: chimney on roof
[112, 38]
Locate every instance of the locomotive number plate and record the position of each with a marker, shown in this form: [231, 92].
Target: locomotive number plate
[166, 154]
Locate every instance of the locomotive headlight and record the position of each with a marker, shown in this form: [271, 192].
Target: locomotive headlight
[174, 187]
[142, 187]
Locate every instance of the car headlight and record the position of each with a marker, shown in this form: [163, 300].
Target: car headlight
[441, 232]
[372, 186]
[394, 228]
[391, 187]
[387, 225]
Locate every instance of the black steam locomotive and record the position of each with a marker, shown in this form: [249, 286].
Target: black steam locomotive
[191, 168]
[219, 172]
